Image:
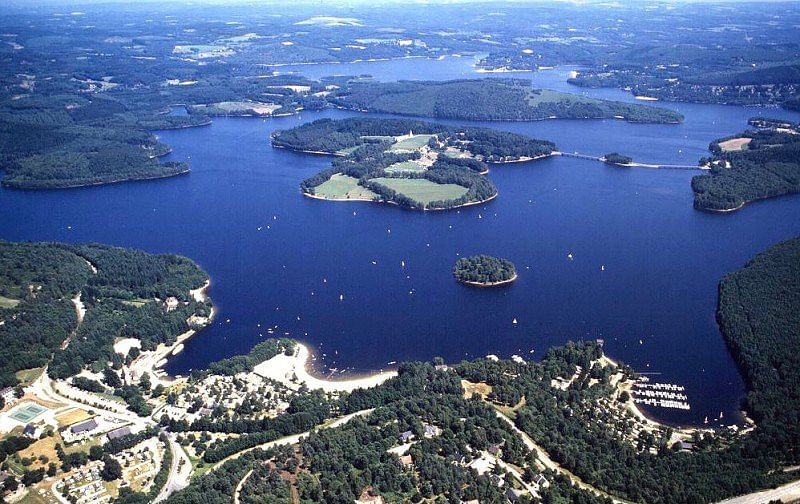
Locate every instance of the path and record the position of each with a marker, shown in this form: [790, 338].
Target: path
[178, 478]
[602, 159]
[239, 487]
[554, 466]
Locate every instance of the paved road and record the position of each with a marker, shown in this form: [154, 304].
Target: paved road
[786, 493]
[178, 478]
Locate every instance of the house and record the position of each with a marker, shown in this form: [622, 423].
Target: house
[367, 497]
[406, 460]
[514, 495]
[172, 303]
[86, 426]
[406, 436]
[118, 433]
[8, 395]
[431, 430]
[541, 481]
[685, 446]
[495, 449]
[32, 431]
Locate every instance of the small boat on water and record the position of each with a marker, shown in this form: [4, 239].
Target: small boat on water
[514, 321]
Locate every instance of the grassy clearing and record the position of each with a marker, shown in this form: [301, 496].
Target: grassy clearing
[423, 190]
[480, 388]
[735, 144]
[8, 302]
[72, 416]
[28, 376]
[348, 150]
[413, 143]
[343, 187]
[536, 97]
[137, 303]
[405, 166]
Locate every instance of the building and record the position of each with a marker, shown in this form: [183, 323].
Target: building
[8, 395]
[32, 431]
[406, 460]
[406, 436]
[118, 433]
[83, 427]
[541, 481]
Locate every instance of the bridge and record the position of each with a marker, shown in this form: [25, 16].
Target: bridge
[602, 159]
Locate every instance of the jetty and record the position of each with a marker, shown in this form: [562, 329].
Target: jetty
[663, 395]
[602, 159]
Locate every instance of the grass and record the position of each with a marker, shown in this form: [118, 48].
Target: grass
[72, 416]
[735, 144]
[405, 166]
[536, 97]
[422, 190]
[347, 150]
[28, 376]
[136, 303]
[33, 497]
[413, 143]
[8, 302]
[343, 187]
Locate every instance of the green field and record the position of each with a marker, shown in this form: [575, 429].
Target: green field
[413, 143]
[8, 302]
[348, 150]
[343, 187]
[539, 96]
[28, 376]
[405, 166]
[422, 190]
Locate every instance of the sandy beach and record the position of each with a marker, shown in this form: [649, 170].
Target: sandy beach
[293, 370]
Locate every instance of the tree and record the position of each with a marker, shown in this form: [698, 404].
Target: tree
[111, 469]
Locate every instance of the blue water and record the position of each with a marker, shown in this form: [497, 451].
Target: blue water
[653, 305]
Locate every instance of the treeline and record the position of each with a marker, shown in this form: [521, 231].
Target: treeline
[486, 100]
[43, 277]
[245, 363]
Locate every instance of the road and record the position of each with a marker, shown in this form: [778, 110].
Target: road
[178, 478]
[295, 438]
[786, 493]
[554, 466]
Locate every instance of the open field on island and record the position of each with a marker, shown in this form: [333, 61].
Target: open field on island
[735, 144]
[422, 190]
[28, 376]
[413, 143]
[343, 187]
[8, 302]
[538, 96]
[405, 166]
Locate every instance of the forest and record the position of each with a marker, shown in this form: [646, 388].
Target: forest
[123, 292]
[488, 100]
[484, 270]
[769, 167]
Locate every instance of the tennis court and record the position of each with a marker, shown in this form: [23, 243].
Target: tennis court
[27, 412]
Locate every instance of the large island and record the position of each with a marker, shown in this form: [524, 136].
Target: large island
[413, 164]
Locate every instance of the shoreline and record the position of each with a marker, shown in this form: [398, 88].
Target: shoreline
[489, 284]
[298, 369]
[471, 203]
[11, 185]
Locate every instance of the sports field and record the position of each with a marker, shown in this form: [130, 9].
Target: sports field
[405, 166]
[27, 412]
[413, 143]
[343, 187]
[423, 190]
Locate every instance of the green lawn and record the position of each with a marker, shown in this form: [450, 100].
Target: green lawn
[422, 190]
[535, 97]
[8, 302]
[405, 166]
[28, 376]
[413, 143]
[343, 187]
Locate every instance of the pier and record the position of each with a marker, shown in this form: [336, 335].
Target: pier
[663, 395]
[602, 159]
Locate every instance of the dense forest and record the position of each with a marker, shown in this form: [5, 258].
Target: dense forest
[769, 166]
[484, 270]
[122, 290]
[488, 100]
[616, 158]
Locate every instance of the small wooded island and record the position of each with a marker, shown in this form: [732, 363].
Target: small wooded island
[618, 159]
[484, 271]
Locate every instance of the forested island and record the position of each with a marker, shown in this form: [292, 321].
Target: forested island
[484, 271]
[414, 164]
[756, 164]
[618, 159]
[488, 100]
[44, 288]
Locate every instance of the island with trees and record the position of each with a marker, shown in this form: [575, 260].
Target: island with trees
[756, 164]
[414, 164]
[488, 100]
[484, 271]
[617, 159]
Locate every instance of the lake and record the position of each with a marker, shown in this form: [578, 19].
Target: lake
[643, 276]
